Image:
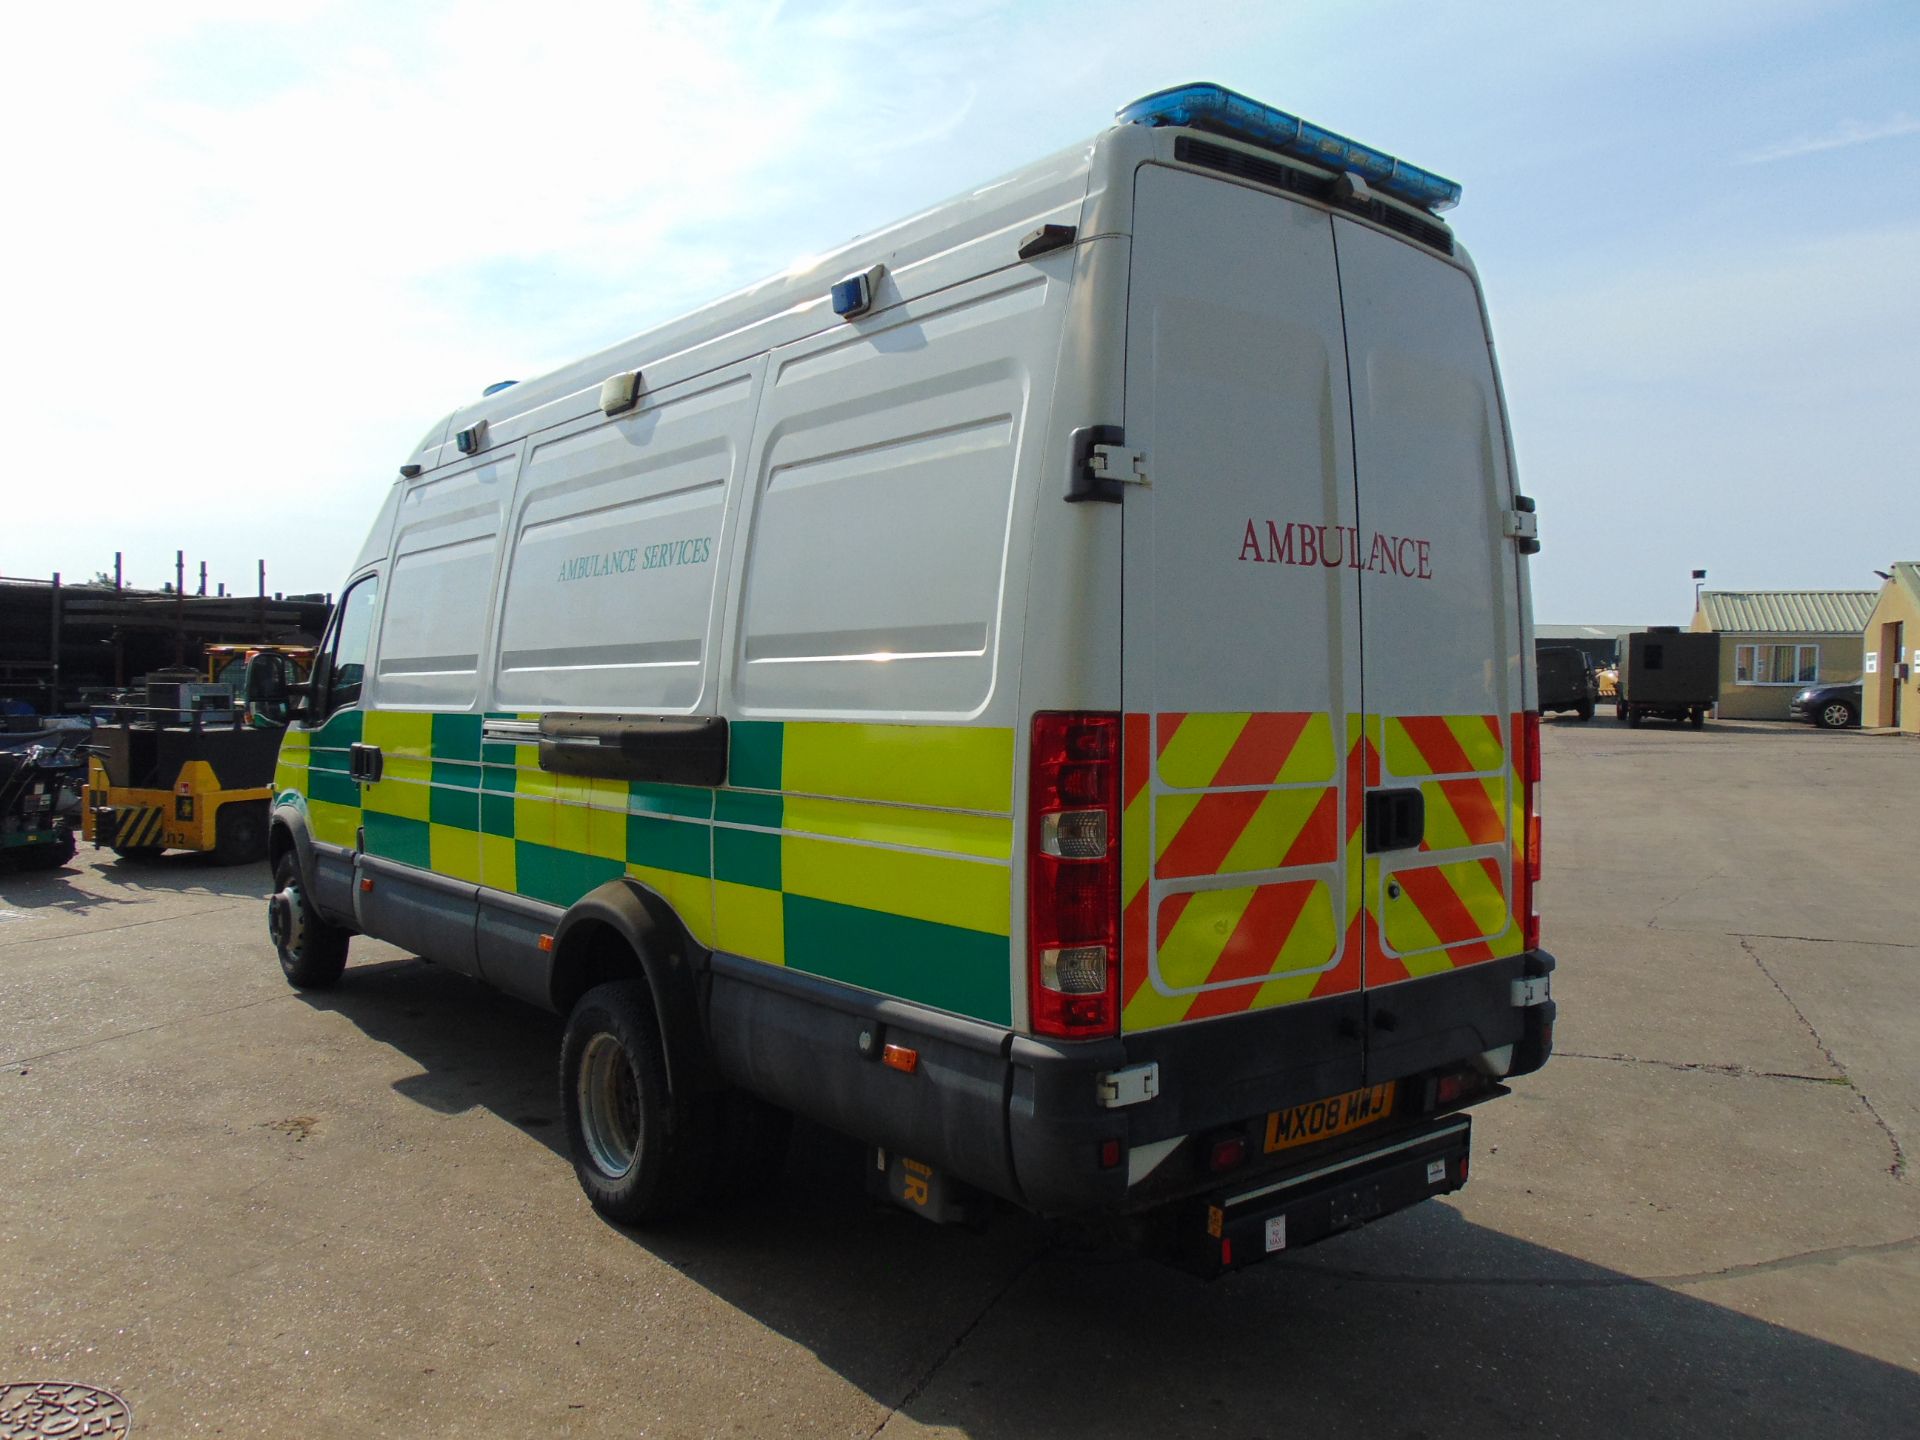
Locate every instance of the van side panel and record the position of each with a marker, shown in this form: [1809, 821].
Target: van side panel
[866, 831]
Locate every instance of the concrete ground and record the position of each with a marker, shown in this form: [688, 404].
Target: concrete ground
[253, 1213]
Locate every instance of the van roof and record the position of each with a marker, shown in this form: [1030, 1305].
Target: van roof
[795, 302]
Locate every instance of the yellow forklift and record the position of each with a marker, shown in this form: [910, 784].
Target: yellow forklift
[186, 762]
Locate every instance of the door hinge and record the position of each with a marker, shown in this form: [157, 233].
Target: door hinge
[1131, 1086]
[1120, 464]
[1521, 523]
[1534, 990]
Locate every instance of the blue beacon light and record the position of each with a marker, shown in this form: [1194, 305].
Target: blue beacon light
[1214, 107]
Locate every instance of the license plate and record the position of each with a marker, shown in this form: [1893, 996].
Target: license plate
[1323, 1119]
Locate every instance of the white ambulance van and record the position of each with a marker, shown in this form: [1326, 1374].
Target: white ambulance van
[1045, 690]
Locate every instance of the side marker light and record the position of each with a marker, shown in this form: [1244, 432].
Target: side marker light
[901, 1058]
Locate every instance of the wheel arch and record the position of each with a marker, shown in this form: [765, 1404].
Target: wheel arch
[287, 830]
[624, 930]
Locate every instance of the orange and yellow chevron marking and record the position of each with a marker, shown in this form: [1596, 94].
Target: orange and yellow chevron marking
[1444, 745]
[1228, 833]
[1464, 813]
[1223, 951]
[1454, 914]
[1215, 751]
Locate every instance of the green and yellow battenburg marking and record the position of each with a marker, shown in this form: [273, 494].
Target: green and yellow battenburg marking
[876, 855]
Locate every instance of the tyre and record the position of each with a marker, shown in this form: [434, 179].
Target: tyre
[53, 856]
[312, 951]
[1836, 715]
[240, 832]
[1696, 718]
[1585, 712]
[1633, 718]
[1619, 710]
[638, 1155]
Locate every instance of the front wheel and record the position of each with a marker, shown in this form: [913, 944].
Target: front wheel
[1585, 712]
[1836, 715]
[1633, 718]
[639, 1157]
[312, 952]
[1696, 718]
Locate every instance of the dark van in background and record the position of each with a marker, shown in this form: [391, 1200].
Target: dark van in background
[1567, 681]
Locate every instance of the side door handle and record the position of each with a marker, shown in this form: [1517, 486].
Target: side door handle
[364, 763]
[1395, 819]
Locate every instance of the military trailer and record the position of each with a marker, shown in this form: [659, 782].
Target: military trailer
[1668, 674]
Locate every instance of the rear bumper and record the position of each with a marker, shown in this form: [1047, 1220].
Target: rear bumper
[1238, 1226]
[1023, 1118]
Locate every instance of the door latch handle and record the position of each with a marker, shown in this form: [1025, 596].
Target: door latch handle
[364, 762]
[1396, 819]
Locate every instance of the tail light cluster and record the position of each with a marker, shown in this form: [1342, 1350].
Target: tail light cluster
[1073, 876]
[1529, 868]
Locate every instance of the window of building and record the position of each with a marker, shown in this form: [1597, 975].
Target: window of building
[1776, 664]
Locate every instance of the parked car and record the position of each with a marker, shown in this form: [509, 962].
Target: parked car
[1566, 680]
[1835, 707]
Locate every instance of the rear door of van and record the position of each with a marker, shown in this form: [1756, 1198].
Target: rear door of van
[1322, 666]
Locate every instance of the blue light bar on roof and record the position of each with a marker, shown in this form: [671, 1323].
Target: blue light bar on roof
[1214, 107]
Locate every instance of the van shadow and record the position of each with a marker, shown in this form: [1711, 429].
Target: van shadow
[1421, 1326]
[99, 880]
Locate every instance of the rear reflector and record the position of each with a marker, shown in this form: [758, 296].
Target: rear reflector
[1529, 859]
[1227, 1153]
[1073, 875]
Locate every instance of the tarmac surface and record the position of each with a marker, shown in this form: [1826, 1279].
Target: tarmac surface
[252, 1213]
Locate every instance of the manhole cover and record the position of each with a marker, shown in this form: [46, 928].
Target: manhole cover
[40, 1410]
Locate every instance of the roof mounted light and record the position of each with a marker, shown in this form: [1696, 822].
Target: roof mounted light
[1214, 107]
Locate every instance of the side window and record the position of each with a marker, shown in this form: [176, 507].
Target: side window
[347, 657]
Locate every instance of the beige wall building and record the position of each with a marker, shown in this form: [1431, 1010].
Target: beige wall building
[1774, 643]
[1890, 688]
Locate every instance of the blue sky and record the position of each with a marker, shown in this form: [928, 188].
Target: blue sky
[254, 255]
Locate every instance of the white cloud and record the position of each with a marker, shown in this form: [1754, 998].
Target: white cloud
[1841, 137]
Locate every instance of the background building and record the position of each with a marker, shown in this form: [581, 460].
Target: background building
[1890, 689]
[1600, 643]
[1775, 642]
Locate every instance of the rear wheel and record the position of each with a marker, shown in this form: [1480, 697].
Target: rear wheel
[1696, 718]
[1836, 715]
[1585, 712]
[312, 951]
[240, 832]
[639, 1156]
[1633, 717]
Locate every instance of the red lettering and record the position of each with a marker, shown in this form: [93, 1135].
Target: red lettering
[1331, 550]
[1353, 547]
[1309, 544]
[1282, 548]
[1406, 567]
[1426, 558]
[1253, 541]
[1388, 558]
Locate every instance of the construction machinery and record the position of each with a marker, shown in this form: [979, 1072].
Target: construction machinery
[186, 761]
[40, 788]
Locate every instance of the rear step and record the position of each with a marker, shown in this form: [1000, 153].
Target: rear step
[1240, 1225]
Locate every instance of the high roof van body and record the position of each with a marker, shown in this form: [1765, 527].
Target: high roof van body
[1045, 690]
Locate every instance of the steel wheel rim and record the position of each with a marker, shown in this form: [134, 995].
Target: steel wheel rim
[609, 1105]
[1835, 716]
